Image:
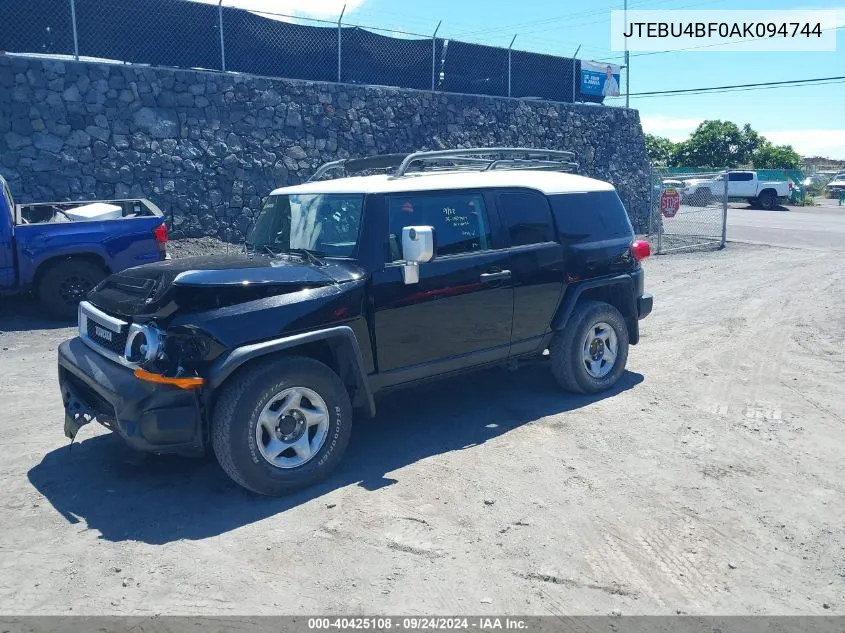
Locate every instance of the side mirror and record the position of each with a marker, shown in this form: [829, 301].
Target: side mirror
[417, 248]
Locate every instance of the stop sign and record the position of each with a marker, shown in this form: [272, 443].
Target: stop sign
[670, 202]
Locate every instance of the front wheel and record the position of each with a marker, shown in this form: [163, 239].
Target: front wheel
[281, 425]
[590, 353]
[67, 283]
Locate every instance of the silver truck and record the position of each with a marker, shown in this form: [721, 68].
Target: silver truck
[741, 184]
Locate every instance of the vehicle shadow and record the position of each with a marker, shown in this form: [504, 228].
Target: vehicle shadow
[156, 499]
[751, 207]
[22, 314]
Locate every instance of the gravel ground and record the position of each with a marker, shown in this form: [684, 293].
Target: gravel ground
[192, 246]
[710, 482]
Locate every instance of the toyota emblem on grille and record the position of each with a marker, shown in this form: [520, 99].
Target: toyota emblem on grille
[103, 333]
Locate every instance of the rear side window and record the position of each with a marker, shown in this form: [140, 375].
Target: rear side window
[740, 177]
[460, 221]
[598, 214]
[527, 217]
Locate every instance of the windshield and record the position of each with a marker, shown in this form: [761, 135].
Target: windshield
[326, 224]
[7, 198]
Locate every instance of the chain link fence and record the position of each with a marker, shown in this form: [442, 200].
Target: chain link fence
[219, 36]
[260, 45]
[689, 209]
[43, 27]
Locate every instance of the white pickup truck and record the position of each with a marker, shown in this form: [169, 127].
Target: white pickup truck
[741, 184]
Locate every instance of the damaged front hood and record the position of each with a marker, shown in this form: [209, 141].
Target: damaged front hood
[202, 283]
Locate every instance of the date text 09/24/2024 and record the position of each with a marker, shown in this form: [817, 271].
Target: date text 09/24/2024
[418, 623]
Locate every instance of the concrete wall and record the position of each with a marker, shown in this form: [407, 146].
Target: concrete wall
[207, 147]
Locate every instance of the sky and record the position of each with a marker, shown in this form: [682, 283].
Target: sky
[811, 118]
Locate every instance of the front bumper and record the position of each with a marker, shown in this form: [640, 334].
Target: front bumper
[149, 417]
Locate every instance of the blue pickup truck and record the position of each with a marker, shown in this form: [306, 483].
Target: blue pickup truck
[59, 253]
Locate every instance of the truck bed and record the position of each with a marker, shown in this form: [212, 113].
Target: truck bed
[55, 212]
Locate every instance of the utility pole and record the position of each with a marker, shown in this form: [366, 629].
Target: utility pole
[627, 62]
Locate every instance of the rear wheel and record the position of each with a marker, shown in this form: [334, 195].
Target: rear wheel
[767, 200]
[590, 354]
[65, 284]
[281, 425]
[701, 198]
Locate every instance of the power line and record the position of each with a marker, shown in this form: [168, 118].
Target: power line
[715, 92]
[741, 87]
[576, 15]
[765, 83]
[604, 19]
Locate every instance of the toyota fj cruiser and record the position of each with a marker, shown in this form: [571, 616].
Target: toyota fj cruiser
[451, 261]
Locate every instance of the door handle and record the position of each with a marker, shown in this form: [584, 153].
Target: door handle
[497, 276]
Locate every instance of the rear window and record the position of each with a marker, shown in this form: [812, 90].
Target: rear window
[527, 218]
[597, 214]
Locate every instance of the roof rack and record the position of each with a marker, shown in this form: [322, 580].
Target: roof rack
[352, 165]
[490, 158]
[473, 159]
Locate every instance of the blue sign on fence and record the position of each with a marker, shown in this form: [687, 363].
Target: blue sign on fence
[600, 79]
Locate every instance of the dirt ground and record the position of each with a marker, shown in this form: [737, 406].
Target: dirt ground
[710, 482]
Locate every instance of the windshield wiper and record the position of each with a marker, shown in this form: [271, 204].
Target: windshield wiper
[277, 250]
[267, 248]
[271, 251]
[311, 255]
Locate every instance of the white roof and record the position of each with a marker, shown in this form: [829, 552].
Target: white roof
[547, 182]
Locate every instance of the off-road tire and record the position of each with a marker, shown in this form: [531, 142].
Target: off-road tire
[767, 200]
[701, 198]
[53, 287]
[240, 403]
[566, 353]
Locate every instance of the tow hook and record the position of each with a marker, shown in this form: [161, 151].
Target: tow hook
[77, 414]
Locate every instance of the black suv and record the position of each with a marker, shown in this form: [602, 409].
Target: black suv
[451, 261]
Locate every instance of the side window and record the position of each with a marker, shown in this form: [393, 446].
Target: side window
[740, 177]
[527, 217]
[584, 216]
[460, 221]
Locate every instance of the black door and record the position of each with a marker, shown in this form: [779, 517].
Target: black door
[461, 311]
[536, 264]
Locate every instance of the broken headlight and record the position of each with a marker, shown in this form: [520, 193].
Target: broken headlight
[143, 343]
[188, 348]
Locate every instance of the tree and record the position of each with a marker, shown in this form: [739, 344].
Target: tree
[717, 144]
[658, 148]
[769, 156]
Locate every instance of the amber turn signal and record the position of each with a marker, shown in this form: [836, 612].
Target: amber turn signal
[182, 383]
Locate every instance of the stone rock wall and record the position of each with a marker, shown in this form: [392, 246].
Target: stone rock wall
[208, 147]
